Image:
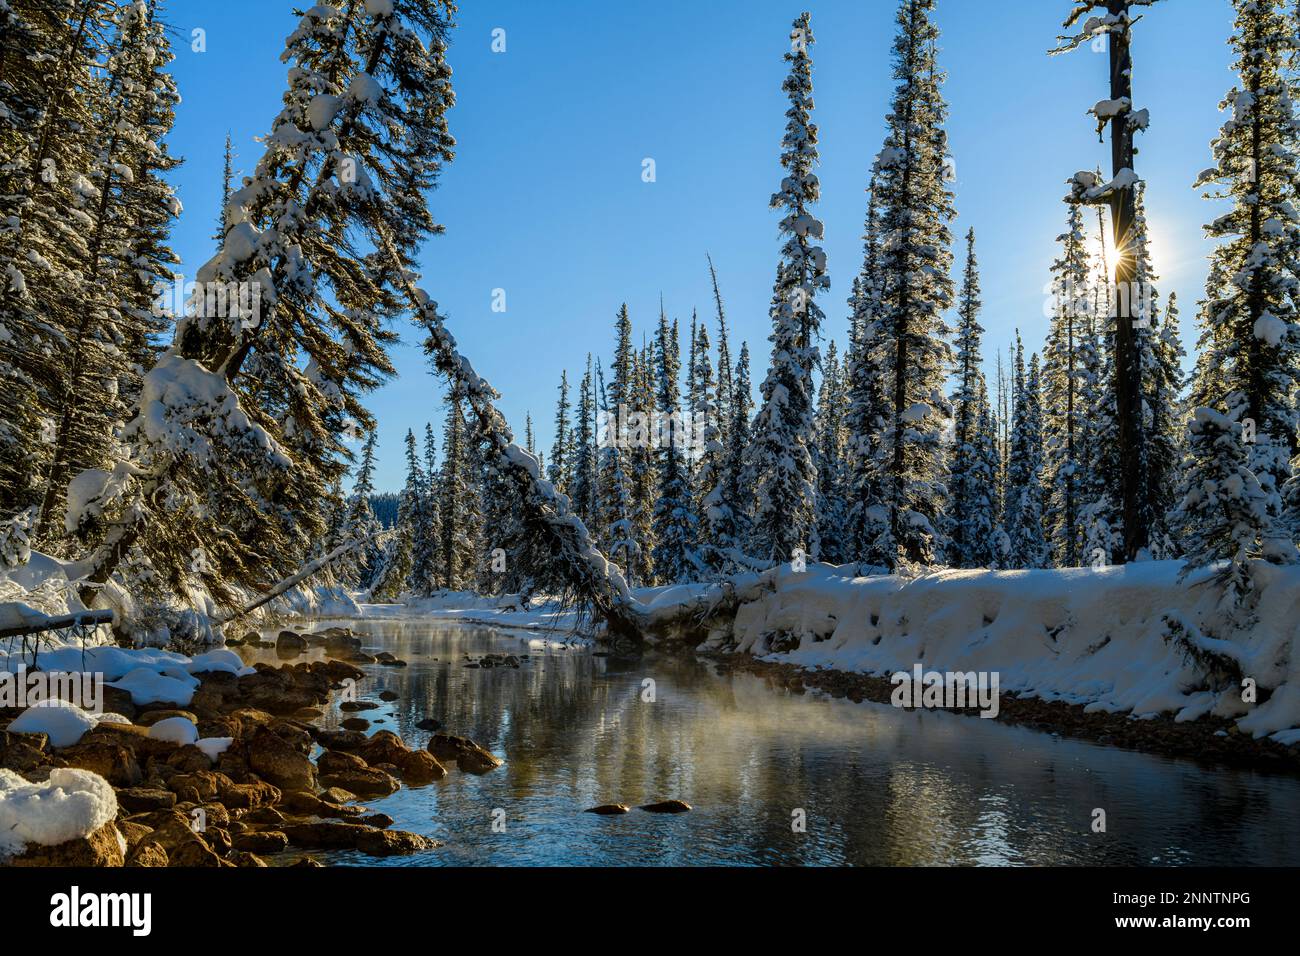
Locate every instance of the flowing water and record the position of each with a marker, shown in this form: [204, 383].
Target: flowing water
[875, 785]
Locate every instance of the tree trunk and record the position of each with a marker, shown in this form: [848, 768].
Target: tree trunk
[1128, 407]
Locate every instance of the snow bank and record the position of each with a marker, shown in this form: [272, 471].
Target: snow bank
[70, 805]
[1087, 636]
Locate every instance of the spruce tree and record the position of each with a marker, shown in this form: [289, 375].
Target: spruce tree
[966, 482]
[1064, 413]
[1249, 342]
[781, 454]
[675, 558]
[915, 207]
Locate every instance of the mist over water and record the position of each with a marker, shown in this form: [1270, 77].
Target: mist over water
[878, 785]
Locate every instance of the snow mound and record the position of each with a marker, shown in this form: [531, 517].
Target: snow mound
[1096, 637]
[70, 805]
[177, 730]
[63, 723]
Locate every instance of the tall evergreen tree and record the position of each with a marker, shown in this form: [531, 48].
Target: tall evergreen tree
[967, 483]
[1064, 413]
[830, 544]
[781, 458]
[583, 466]
[1024, 518]
[1249, 341]
[675, 558]
[562, 451]
[915, 209]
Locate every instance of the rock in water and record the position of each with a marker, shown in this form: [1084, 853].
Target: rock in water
[469, 756]
[667, 806]
[609, 809]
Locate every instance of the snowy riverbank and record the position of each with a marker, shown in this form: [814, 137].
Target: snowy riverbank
[1100, 638]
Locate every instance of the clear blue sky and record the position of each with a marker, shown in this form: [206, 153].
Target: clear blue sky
[545, 198]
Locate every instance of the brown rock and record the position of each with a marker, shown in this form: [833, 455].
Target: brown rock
[250, 795]
[247, 859]
[101, 848]
[144, 799]
[355, 723]
[151, 717]
[23, 752]
[113, 762]
[469, 756]
[261, 841]
[393, 843]
[278, 762]
[609, 809]
[147, 852]
[667, 806]
[365, 782]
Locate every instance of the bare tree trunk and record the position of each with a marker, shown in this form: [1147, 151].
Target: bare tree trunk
[1128, 408]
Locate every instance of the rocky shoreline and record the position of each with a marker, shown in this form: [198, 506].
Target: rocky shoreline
[1210, 740]
[263, 794]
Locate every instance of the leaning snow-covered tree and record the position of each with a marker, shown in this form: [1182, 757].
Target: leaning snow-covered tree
[268, 382]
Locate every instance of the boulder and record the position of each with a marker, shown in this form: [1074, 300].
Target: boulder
[290, 643]
[147, 853]
[261, 841]
[110, 760]
[23, 752]
[667, 806]
[144, 799]
[279, 762]
[355, 723]
[609, 809]
[393, 843]
[104, 847]
[469, 756]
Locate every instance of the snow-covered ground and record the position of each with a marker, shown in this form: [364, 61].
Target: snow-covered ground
[1095, 637]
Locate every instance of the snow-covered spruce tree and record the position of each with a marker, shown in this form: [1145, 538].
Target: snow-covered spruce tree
[460, 512]
[1168, 430]
[1248, 317]
[986, 534]
[1024, 503]
[967, 483]
[915, 208]
[675, 557]
[127, 260]
[361, 521]
[724, 500]
[562, 451]
[781, 459]
[530, 445]
[831, 506]
[1129, 464]
[51, 99]
[270, 390]
[716, 522]
[1225, 512]
[583, 463]
[864, 416]
[394, 576]
[426, 534]
[643, 485]
[725, 400]
[615, 506]
[1064, 413]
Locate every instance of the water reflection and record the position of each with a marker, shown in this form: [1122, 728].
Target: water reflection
[878, 786]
